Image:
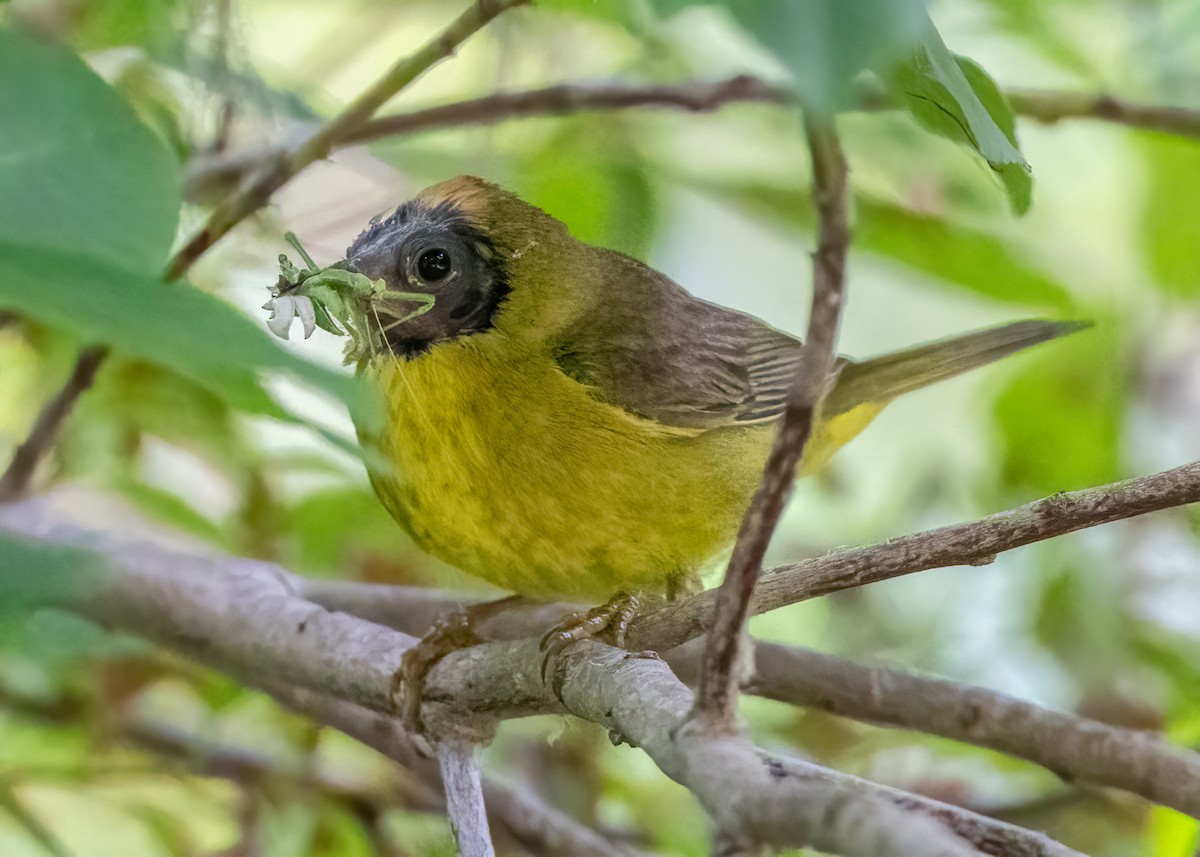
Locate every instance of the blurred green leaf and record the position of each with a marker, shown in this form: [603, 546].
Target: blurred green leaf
[590, 177]
[954, 97]
[78, 170]
[827, 43]
[1169, 228]
[32, 573]
[152, 24]
[186, 330]
[1172, 832]
[941, 247]
[1060, 416]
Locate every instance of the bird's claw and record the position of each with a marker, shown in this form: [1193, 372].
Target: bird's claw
[609, 621]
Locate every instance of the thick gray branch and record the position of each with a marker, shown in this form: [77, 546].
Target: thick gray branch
[1075, 748]
[242, 617]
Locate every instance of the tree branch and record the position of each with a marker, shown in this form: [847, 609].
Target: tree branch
[1050, 106]
[208, 172]
[716, 699]
[1075, 748]
[253, 192]
[242, 617]
[974, 543]
[463, 784]
[48, 424]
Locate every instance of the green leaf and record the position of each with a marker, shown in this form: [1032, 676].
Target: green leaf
[1061, 416]
[954, 97]
[33, 574]
[78, 170]
[183, 329]
[1168, 221]
[590, 177]
[827, 43]
[968, 258]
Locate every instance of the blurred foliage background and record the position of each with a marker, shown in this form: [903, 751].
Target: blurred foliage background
[198, 434]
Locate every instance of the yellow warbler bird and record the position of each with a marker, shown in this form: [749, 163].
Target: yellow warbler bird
[567, 422]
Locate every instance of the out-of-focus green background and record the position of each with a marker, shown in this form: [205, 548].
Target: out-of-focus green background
[1103, 623]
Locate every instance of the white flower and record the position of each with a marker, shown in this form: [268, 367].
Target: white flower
[285, 309]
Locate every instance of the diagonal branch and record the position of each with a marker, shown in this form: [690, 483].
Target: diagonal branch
[974, 543]
[1075, 748]
[49, 422]
[253, 193]
[716, 699]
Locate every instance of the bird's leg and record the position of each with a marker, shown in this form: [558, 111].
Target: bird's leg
[608, 622]
[456, 630]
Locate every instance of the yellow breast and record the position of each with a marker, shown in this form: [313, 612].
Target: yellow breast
[501, 465]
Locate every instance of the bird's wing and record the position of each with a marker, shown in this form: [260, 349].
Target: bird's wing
[658, 352]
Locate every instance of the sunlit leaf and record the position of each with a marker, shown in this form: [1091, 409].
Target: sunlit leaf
[78, 171]
[954, 97]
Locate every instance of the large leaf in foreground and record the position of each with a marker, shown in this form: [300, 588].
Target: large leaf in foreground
[184, 329]
[79, 172]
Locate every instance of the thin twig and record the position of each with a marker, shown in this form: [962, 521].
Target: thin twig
[48, 424]
[258, 188]
[253, 193]
[206, 172]
[1050, 106]
[716, 700]
[463, 786]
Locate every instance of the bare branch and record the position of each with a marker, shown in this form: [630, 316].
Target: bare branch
[49, 422]
[1050, 106]
[252, 194]
[463, 784]
[716, 700]
[207, 172]
[1077, 749]
[974, 543]
[241, 616]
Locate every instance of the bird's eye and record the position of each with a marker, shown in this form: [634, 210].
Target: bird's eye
[433, 265]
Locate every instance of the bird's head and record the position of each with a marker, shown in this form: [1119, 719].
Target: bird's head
[461, 241]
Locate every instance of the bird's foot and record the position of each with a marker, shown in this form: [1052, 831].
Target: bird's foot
[609, 622]
[456, 630]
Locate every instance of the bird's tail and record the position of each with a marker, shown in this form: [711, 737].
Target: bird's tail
[881, 379]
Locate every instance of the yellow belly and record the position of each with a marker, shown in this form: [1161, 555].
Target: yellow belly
[499, 464]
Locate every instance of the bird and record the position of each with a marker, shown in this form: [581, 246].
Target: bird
[565, 421]
[568, 423]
